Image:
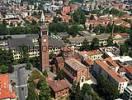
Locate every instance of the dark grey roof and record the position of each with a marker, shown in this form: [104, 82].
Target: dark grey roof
[15, 43]
[80, 39]
[63, 34]
[55, 43]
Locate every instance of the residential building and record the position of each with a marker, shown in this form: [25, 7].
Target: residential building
[110, 51]
[78, 40]
[59, 88]
[107, 70]
[128, 73]
[6, 90]
[128, 93]
[123, 60]
[92, 55]
[120, 38]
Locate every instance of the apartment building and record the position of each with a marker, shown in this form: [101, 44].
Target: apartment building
[109, 70]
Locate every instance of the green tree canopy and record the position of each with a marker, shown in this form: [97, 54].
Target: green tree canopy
[123, 49]
[41, 86]
[60, 75]
[44, 90]
[79, 16]
[110, 41]
[107, 89]
[58, 27]
[85, 45]
[73, 30]
[6, 57]
[95, 44]
[24, 53]
[3, 69]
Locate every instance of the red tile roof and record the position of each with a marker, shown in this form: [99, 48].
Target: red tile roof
[5, 90]
[111, 62]
[121, 34]
[128, 69]
[75, 64]
[89, 62]
[90, 53]
[58, 85]
[110, 72]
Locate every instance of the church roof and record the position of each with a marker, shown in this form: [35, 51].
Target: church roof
[15, 43]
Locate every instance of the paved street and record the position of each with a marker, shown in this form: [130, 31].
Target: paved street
[20, 76]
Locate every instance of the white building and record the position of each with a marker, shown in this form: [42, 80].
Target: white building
[106, 69]
[128, 93]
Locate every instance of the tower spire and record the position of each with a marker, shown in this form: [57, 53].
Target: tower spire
[42, 19]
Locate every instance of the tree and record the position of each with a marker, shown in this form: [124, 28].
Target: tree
[78, 92]
[44, 90]
[91, 17]
[60, 75]
[73, 30]
[88, 93]
[3, 69]
[34, 22]
[41, 86]
[85, 45]
[10, 69]
[123, 49]
[6, 57]
[32, 95]
[75, 93]
[3, 29]
[58, 27]
[106, 88]
[86, 89]
[45, 73]
[24, 54]
[94, 44]
[28, 66]
[110, 41]
[35, 62]
[56, 19]
[79, 17]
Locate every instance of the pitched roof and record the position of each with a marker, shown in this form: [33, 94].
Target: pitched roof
[80, 39]
[74, 64]
[109, 71]
[92, 52]
[58, 85]
[128, 69]
[89, 62]
[17, 41]
[5, 90]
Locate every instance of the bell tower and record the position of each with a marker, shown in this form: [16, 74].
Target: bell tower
[44, 51]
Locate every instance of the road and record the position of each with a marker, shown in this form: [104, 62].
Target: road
[20, 76]
[22, 88]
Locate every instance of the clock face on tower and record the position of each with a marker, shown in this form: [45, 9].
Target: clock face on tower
[44, 48]
[44, 40]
